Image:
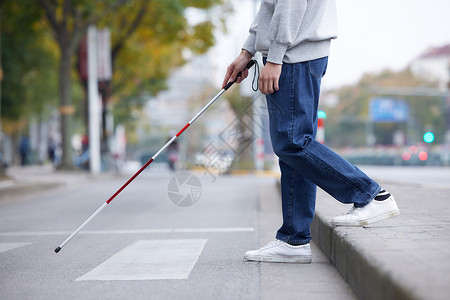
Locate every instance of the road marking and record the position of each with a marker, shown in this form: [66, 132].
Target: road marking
[8, 246]
[133, 231]
[225, 229]
[150, 260]
[6, 183]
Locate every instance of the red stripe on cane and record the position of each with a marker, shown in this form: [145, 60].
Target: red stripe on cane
[129, 180]
[184, 128]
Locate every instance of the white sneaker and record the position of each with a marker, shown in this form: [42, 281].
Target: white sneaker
[373, 212]
[279, 251]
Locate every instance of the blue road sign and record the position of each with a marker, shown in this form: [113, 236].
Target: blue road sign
[388, 110]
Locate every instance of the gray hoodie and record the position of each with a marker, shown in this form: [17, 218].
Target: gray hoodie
[293, 31]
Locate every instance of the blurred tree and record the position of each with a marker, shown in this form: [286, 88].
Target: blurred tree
[154, 34]
[2, 164]
[28, 64]
[150, 39]
[68, 20]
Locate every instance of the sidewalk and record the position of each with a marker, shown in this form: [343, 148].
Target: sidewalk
[31, 179]
[318, 280]
[407, 257]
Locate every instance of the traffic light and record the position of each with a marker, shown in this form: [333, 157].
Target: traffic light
[428, 137]
[321, 114]
[423, 156]
[320, 136]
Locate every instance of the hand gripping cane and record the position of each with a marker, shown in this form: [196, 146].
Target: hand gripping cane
[229, 84]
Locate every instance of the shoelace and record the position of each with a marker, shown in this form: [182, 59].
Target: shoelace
[354, 210]
[273, 243]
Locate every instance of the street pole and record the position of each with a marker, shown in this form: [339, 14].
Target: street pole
[2, 169]
[447, 119]
[94, 103]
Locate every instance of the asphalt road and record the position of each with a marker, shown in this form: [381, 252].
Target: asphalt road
[143, 246]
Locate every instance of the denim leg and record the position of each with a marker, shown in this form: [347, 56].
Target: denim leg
[298, 196]
[293, 124]
[333, 174]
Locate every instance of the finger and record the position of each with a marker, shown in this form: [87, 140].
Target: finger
[233, 76]
[227, 76]
[260, 83]
[263, 86]
[275, 85]
[270, 86]
[244, 74]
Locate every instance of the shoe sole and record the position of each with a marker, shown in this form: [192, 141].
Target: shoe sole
[305, 259]
[372, 220]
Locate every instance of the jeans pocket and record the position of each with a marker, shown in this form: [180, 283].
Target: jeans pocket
[318, 67]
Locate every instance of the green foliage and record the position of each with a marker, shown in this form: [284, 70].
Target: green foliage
[29, 68]
[149, 39]
[127, 111]
[202, 38]
[203, 4]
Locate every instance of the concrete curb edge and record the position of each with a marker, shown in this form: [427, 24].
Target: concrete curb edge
[366, 279]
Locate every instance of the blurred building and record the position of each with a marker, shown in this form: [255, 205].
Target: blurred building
[434, 64]
[170, 108]
[329, 99]
[189, 88]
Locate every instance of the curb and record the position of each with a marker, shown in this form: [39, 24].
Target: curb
[36, 179]
[367, 280]
[21, 190]
[403, 258]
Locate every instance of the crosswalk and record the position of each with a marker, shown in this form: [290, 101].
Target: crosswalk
[9, 246]
[150, 260]
[131, 231]
[143, 260]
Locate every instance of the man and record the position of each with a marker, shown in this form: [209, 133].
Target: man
[294, 38]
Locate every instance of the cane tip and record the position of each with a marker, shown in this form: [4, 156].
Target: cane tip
[57, 249]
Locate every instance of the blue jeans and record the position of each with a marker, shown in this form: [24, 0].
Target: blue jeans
[304, 162]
